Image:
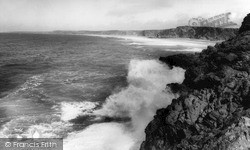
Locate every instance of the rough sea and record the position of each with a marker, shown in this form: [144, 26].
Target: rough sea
[98, 93]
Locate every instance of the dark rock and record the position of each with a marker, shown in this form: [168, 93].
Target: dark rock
[245, 24]
[208, 33]
[213, 109]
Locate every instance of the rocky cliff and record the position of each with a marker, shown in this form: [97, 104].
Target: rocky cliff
[245, 24]
[207, 33]
[213, 110]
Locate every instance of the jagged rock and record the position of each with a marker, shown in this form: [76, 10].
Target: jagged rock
[213, 109]
[208, 33]
[245, 24]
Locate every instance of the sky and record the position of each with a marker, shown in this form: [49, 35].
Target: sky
[48, 15]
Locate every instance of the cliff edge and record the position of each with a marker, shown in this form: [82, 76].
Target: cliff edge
[213, 110]
[206, 33]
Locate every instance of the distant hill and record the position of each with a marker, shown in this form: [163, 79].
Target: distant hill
[207, 33]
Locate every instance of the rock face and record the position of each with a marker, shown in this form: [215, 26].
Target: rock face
[213, 110]
[207, 33]
[245, 24]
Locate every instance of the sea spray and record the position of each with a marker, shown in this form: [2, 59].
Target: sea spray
[71, 110]
[103, 136]
[139, 101]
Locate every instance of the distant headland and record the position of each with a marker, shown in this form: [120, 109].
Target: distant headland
[193, 32]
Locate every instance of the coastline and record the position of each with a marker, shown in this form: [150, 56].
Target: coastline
[189, 32]
[193, 45]
[213, 110]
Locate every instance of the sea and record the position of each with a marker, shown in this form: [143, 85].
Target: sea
[95, 92]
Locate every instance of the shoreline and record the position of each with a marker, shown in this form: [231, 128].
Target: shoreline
[193, 45]
[213, 110]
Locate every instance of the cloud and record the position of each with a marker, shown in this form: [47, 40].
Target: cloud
[135, 7]
[111, 14]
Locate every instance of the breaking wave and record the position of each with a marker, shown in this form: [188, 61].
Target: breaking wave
[71, 110]
[139, 101]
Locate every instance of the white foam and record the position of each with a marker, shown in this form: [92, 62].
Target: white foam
[196, 45]
[145, 94]
[71, 110]
[190, 49]
[147, 82]
[49, 126]
[56, 129]
[31, 83]
[104, 136]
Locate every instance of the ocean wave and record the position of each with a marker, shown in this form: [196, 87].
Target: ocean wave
[145, 94]
[31, 83]
[104, 136]
[191, 44]
[57, 125]
[71, 110]
[50, 126]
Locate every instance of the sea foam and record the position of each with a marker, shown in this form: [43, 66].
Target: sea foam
[191, 45]
[71, 110]
[139, 101]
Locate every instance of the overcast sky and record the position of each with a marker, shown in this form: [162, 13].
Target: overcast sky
[46, 15]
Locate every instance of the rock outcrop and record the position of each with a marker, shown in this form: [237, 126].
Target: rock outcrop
[213, 110]
[206, 33]
[245, 24]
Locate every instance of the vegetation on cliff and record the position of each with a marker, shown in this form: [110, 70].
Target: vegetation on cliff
[213, 110]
